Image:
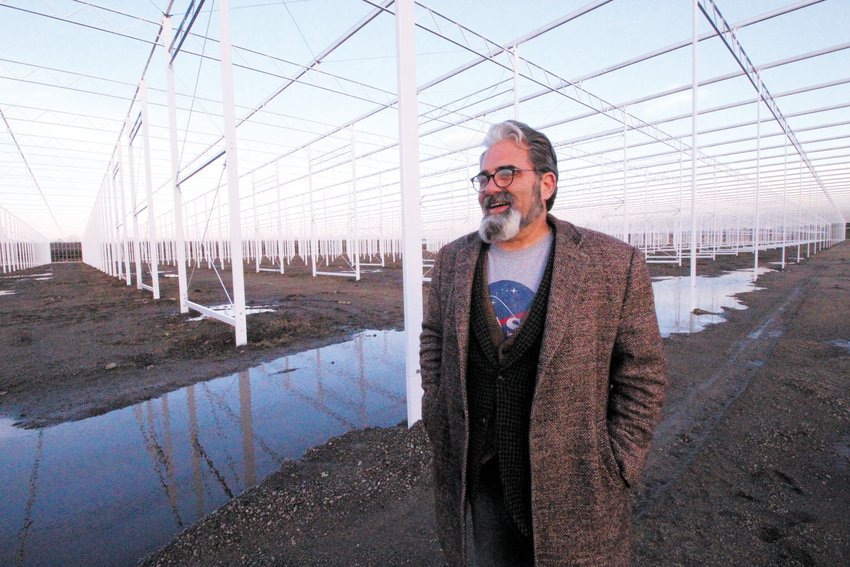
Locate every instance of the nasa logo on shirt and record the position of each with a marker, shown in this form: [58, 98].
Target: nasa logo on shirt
[511, 301]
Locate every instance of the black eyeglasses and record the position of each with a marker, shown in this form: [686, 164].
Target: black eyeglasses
[502, 177]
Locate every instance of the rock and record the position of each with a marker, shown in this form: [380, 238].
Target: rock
[111, 366]
[698, 311]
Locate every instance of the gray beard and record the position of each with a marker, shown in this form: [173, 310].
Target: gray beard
[501, 228]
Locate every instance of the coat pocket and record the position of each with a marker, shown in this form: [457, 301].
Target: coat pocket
[606, 455]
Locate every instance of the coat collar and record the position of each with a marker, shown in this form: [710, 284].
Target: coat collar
[568, 277]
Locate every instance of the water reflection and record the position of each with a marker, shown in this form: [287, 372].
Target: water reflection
[682, 309]
[109, 489]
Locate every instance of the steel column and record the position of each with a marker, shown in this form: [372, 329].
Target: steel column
[236, 263]
[179, 242]
[153, 243]
[411, 217]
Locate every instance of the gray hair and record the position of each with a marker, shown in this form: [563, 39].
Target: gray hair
[541, 154]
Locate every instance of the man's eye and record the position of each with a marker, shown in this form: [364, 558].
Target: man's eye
[504, 174]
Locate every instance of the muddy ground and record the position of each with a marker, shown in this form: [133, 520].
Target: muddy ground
[83, 343]
[750, 465]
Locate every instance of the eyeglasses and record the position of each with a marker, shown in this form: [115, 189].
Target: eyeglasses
[502, 177]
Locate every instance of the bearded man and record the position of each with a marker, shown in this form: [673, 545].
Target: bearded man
[543, 374]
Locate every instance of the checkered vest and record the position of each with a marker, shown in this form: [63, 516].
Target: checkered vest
[500, 385]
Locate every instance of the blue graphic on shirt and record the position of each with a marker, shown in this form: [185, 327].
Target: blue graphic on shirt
[511, 301]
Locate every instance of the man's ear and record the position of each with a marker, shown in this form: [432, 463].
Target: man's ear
[548, 184]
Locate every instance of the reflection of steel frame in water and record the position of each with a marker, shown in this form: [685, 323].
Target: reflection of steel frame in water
[162, 454]
[317, 404]
[323, 391]
[711, 295]
[195, 469]
[160, 457]
[195, 442]
[23, 533]
[245, 419]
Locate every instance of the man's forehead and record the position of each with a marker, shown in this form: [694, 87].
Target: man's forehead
[505, 152]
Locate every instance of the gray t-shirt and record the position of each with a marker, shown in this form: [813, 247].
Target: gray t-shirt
[514, 277]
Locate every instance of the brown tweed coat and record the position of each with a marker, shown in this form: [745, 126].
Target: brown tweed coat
[600, 385]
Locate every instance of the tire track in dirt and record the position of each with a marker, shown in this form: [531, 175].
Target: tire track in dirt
[689, 421]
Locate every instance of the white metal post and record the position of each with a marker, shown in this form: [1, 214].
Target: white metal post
[411, 217]
[179, 242]
[694, 146]
[354, 235]
[119, 245]
[236, 264]
[516, 81]
[108, 224]
[153, 244]
[258, 243]
[756, 227]
[279, 215]
[131, 171]
[124, 215]
[626, 227]
[785, 201]
[678, 228]
[714, 215]
[314, 245]
[381, 242]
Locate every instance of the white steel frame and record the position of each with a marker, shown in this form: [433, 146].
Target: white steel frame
[21, 246]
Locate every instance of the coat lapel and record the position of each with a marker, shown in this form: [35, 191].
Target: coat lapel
[568, 276]
[462, 298]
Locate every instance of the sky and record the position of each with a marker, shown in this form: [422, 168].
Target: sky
[70, 70]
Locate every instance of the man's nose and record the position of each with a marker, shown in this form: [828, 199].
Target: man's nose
[490, 188]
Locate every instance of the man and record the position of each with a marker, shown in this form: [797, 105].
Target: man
[543, 374]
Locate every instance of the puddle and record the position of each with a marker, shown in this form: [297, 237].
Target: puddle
[230, 311]
[841, 343]
[110, 489]
[679, 313]
[6, 292]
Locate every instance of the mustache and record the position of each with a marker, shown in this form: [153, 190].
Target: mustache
[503, 197]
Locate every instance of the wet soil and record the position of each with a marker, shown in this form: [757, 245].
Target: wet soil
[83, 343]
[750, 464]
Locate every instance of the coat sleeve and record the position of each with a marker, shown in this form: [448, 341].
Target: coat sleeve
[638, 375]
[431, 342]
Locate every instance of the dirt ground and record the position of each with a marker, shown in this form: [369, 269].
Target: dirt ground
[84, 343]
[750, 465]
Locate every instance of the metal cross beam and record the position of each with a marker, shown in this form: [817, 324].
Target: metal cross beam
[727, 34]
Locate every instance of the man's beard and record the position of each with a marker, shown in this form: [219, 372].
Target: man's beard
[504, 227]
